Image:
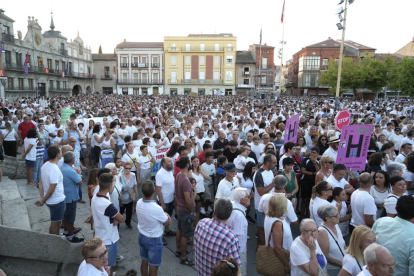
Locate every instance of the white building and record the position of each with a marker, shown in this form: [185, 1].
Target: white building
[140, 68]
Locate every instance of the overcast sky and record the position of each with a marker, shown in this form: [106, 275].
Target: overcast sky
[384, 25]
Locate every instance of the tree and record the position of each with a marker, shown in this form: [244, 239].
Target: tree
[100, 49]
[393, 74]
[373, 73]
[349, 77]
[405, 76]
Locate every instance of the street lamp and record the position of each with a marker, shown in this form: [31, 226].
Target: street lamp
[341, 51]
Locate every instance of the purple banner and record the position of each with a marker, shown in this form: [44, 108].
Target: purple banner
[353, 147]
[1, 48]
[291, 130]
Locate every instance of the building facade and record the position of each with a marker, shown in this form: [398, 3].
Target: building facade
[407, 50]
[200, 64]
[104, 68]
[140, 68]
[265, 68]
[245, 73]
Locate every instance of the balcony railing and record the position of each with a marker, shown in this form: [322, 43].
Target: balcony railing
[13, 67]
[8, 38]
[19, 88]
[139, 65]
[63, 52]
[150, 81]
[59, 89]
[200, 81]
[124, 65]
[246, 73]
[155, 65]
[245, 86]
[82, 75]
[106, 77]
[199, 49]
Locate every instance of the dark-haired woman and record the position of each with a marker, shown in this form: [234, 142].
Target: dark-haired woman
[380, 190]
[375, 162]
[246, 181]
[322, 143]
[320, 193]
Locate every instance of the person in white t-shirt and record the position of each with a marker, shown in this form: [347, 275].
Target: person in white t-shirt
[320, 193]
[121, 132]
[364, 210]
[151, 220]
[336, 179]
[95, 256]
[51, 189]
[228, 184]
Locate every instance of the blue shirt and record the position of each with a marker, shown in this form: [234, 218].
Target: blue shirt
[397, 235]
[74, 134]
[70, 183]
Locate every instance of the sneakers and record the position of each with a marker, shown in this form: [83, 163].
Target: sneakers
[129, 226]
[119, 258]
[203, 211]
[76, 240]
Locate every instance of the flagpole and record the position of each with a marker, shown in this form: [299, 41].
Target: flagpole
[260, 62]
[281, 51]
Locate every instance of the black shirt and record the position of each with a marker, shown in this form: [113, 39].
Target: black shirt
[230, 155]
[218, 144]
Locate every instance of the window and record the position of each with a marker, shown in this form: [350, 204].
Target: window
[173, 91]
[202, 60]
[263, 80]
[264, 63]
[124, 60]
[64, 85]
[187, 91]
[144, 60]
[325, 62]
[124, 91]
[50, 84]
[229, 48]
[58, 84]
[216, 76]
[173, 60]
[173, 77]
[39, 62]
[310, 79]
[106, 70]
[216, 47]
[19, 59]
[173, 47]
[246, 81]
[246, 70]
[201, 91]
[187, 47]
[135, 77]
[10, 83]
[216, 61]
[124, 76]
[6, 29]
[144, 77]
[30, 83]
[155, 77]
[311, 63]
[202, 76]
[229, 76]
[202, 47]
[144, 91]
[64, 66]
[21, 81]
[135, 60]
[107, 90]
[187, 76]
[187, 60]
[8, 57]
[57, 65]
[155, 62]
[229, 60]
[49, 64]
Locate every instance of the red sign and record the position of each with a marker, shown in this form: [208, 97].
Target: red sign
[47, 70]
[343, 118]
[2, 73]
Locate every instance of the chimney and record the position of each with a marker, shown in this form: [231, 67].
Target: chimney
[124, 40]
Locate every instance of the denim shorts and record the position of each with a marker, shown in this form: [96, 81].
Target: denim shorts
[260, 219]
[169, 207]
[185, 224]
[30, 163]
[112, 252]
[70, 213]
[57, 211]
[150, 249]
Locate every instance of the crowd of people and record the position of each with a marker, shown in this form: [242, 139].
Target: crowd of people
[215, 165]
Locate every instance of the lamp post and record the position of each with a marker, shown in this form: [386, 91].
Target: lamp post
[341, 51]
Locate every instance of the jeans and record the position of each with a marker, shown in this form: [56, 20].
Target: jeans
[112, 252]
[80, 192]
[150, 249]
[37, 170]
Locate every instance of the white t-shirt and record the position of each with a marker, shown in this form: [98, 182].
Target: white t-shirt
[86, 269]
[390, 203]
[350, 265]
[103, 212]
[199, 182]
[257, 149]
[264, 201]
[362, 203]
[345, 224]
[51, 174]
[151, 218]
[132, 159]
[210, 170]
[335, 183]
[300, 254]
[225, 188]
[267, 177]
[313, 209]
[144, 162]
[31, 155]
[248, 184]
[120, 139]
[8, 136]
[238, 223]
[287, 233]
[331, 153]
[165, 180]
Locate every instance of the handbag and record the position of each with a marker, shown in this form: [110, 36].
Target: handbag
[267, 262]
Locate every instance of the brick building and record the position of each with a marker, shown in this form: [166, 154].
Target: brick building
[245, 72]
[265, 67]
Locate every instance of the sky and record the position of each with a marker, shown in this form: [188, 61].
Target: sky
[380, 24]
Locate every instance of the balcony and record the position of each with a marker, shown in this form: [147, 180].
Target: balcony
[139, 65]
[19, 88]
[155, 65]
[63, 52]
[8, 38]
[124, 65]
[138, 82]
[59, 89]
[245, 86]
[13, 67]
[200, 81]
[106, 77]
[82, 75]
[246, 73]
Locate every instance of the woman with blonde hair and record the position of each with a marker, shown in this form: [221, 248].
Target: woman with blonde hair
[277, 230]
[326, 165]
[320, 193]
[353, 261]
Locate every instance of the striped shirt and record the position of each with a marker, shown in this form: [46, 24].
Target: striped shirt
[40, 152]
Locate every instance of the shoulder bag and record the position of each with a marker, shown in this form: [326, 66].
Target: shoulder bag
[267, 262]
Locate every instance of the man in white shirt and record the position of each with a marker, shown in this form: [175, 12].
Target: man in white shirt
[95, 256]
[228, 184]
[363, 206]
[200, 140]
[379, 261]
[238, 223]
[332, 151]
[165, 188]
[308, 137]
[51, 189]
[280, 184]
[151, 221]
[336, 179]
[121, 132]
[405, 150]
[408, 138]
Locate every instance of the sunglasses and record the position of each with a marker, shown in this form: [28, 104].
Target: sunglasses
[330, 162]
[101, 256]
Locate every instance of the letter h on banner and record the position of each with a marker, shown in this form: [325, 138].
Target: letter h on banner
[291, 132]
[354, 150]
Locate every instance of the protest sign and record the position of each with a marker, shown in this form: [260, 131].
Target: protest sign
[65, 114]
[291, 131]
[353, 146]
[343, 118]
[160, 154]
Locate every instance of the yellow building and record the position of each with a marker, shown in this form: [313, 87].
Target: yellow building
[202, 64]
[407, 50]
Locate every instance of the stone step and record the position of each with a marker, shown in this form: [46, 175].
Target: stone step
[13, 207]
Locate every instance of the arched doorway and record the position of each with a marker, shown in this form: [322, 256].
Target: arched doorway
[88, 90]
[77, 89]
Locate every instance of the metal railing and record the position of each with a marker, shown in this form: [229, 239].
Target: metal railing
[139, 65]
[19, 88]
[13, 67]
[150, 81]
[155, 65]
[200, 81]
[106, 77]
[59, 89]
[124, 65]
[199, 49]
[7, 38]
[63, 52]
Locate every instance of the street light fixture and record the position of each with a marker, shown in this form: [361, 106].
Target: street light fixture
[339, 25]
[340, 10]
[340, 18]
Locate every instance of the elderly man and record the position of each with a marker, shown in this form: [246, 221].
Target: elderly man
[332, 151]
[379, 262]
[364, 210]
[238, 222]
[95, 257]
[71, 181]
[228, 184]
[390, 230]
[24, 127]
[214, 239]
